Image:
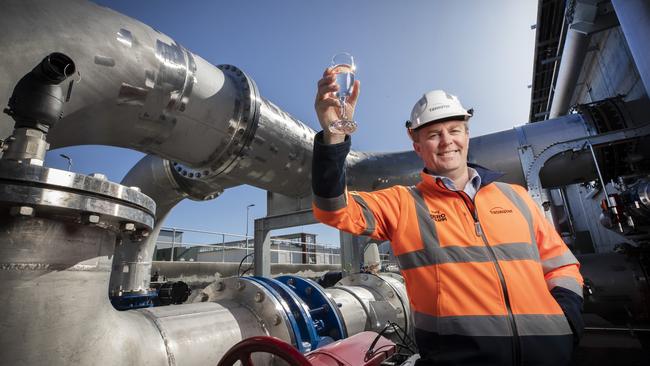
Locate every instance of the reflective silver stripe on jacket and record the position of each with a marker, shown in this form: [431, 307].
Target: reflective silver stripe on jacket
[432, 253]
[493, 325]
[367, 214]
[566, 282]
[464, 254]
[549, 264]
[561, 260]
[331, 204]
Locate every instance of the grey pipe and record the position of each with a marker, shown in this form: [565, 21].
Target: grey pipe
[573, 55]
[157, 178]
[139, 89]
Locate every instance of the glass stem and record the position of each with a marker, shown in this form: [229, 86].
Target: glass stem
[342, 100]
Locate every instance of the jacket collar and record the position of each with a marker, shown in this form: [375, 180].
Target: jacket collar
[487, 176]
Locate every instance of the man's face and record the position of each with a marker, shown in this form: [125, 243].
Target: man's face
[443, 147]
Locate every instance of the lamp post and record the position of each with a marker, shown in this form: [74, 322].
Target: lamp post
[247, 210]
[69, 159]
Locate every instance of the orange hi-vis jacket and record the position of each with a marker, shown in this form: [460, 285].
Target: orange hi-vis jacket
[476, 271]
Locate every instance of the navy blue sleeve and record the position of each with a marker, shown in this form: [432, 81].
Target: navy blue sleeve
[328, 167]
[571, 305]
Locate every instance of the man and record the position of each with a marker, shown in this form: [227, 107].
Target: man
[489, 280]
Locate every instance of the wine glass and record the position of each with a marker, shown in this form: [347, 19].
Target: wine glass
[344, 68]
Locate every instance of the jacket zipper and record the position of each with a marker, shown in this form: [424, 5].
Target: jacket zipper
[471, 207]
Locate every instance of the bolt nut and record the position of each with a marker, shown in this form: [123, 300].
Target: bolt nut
[90, 219]
[22, 211]
[99, 176]
[127, 226]
[364, 278]
[259, 297]
[143, 233]
[136, 188]
[277, 320]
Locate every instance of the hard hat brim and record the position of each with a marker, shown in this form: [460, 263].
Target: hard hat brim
[453, 117]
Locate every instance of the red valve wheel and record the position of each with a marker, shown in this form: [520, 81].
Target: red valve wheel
[242, 351]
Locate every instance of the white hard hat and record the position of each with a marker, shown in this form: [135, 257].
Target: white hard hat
[434, 106]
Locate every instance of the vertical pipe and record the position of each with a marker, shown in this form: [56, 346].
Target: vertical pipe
[634, 17]
[173, 242]
[573, 55]
[262, 242]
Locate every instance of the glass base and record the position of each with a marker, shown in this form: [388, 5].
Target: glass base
[343, 127]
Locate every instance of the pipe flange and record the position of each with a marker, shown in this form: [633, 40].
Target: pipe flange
[241, 129]
[255, 297]
[397, 283]
[29, 190]
[96, 184]
[386, 288]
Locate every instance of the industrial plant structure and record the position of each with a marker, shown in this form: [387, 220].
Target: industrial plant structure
[76, 251]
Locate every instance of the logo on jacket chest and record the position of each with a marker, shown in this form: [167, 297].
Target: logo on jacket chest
[500, 210]
[438, 216]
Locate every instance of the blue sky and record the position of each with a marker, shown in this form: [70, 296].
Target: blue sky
[480, 50]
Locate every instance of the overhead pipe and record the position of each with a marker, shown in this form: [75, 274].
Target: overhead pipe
[576, 45]
[139, 89]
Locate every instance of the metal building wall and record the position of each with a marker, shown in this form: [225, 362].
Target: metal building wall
[609, 70]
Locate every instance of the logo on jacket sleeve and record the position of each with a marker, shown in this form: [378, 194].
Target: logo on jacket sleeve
[438, 216]
[500, 210]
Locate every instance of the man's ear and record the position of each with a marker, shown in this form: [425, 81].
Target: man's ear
[416, 147]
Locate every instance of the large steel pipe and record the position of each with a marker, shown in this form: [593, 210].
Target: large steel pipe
[58, 232]
[157, 178]
[139, 89]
